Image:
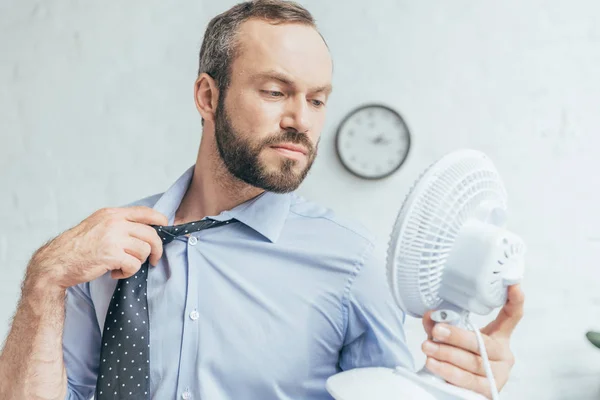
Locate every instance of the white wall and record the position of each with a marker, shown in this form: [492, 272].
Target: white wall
[96, 103]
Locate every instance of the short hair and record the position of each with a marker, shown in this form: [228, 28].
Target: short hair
[220, 47]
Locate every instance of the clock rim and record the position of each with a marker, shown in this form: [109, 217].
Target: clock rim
[348, 116]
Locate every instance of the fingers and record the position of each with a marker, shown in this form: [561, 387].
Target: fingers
[428, 324]
[129, 266]
[459, 377]
[145, 215]
[137, 248]
[148, 235]
[461, 358]
[466, 340]
[510, 315]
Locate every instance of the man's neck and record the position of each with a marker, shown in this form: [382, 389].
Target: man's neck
[213, 189]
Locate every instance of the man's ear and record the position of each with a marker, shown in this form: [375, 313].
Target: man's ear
[206, 96]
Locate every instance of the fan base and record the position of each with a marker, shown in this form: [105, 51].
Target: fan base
[393, 384]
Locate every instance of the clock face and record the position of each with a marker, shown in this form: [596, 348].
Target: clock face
[373, 141]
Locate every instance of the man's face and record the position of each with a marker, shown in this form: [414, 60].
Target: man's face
[269, 121]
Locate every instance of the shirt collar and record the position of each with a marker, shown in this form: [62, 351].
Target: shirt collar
[265, 213]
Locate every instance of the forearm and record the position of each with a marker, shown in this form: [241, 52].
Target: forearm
[31, 363]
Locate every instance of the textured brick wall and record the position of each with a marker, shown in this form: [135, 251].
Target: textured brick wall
[96, 110]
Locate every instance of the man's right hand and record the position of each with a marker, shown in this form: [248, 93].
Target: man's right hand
[118, 240]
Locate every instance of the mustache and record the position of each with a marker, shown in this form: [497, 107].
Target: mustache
[294, 137]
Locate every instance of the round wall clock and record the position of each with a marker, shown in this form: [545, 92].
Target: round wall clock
[373, 141]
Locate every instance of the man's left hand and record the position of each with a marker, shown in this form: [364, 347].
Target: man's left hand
[455, 357]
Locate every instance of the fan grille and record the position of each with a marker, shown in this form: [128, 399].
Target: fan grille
[435, 209]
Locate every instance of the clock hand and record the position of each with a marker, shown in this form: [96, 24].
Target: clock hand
[380, 139]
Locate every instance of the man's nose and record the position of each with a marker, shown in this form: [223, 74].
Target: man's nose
[297, 116]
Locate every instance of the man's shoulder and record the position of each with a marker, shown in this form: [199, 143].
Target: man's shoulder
[148, 201]
[335, 224]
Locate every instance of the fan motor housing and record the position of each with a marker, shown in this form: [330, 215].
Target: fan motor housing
[475, 270]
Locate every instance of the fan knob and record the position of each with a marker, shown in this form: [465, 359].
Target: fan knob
[446, 316]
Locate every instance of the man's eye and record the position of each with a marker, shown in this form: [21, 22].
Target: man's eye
[273, 93]
[317, 103]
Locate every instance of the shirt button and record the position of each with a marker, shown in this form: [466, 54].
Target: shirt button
[186, 395]
[193, 240]
[194, 315]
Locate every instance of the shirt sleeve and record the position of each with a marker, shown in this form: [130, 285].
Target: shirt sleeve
[375, 334]
[81, 343]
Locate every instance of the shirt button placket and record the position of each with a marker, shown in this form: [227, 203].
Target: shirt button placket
[194, 315]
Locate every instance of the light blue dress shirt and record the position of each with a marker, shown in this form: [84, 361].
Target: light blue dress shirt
[266, 309]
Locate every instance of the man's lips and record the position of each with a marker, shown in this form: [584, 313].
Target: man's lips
[291, 148]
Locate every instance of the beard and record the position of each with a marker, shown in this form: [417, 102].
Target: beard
[241, 155]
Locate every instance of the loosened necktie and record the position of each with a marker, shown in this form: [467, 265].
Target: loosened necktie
[124, 358]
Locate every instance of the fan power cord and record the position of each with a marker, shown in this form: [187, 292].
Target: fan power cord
[486, 361]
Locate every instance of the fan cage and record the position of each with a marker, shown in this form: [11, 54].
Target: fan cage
[446, 195]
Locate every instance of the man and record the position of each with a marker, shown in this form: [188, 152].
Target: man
[266, 307]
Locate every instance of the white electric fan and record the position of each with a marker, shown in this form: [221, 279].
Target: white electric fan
[450, 252]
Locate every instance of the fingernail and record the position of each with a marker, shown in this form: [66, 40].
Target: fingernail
[430, 347]
[441, 332]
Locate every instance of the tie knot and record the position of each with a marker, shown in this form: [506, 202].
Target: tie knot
[169, 233]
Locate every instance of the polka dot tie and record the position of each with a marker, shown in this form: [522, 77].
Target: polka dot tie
[124, 357]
